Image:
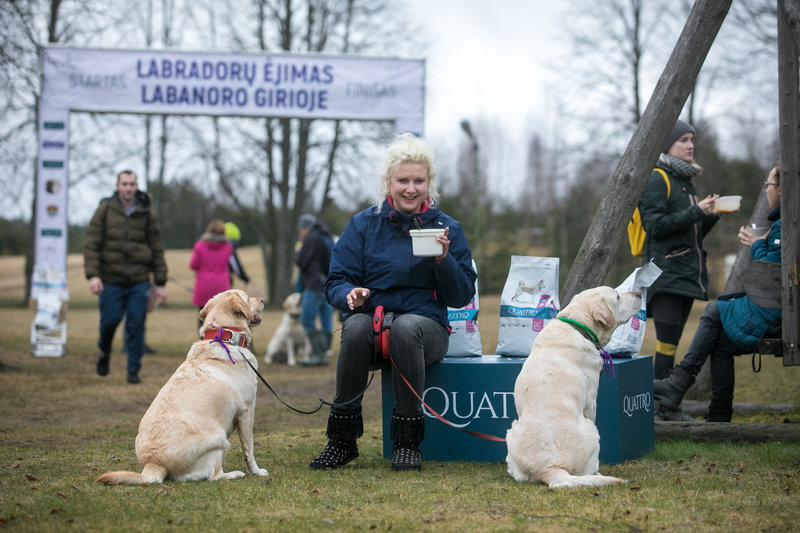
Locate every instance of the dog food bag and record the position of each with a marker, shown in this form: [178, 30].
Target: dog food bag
[465, 340]
[627, 338]
[528, 302]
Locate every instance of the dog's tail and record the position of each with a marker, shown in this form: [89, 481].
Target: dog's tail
[151, 473]
[558, 477]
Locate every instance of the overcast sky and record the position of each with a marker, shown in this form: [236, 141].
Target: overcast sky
[485, 58]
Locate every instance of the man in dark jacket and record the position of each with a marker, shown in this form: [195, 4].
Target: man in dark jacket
[122, 249]
[313, 260]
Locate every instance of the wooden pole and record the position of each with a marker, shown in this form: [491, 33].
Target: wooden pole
[789, 107]
[790, 9]
[608, 227]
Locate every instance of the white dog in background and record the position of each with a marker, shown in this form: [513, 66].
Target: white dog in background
[184, 433]
[554, 439]
[290, 342]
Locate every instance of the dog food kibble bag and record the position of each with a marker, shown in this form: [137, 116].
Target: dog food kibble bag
[628, 337]
[465, 339]
[529, 301]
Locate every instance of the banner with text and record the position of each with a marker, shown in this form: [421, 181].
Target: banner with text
[174, 82]
[195, 83]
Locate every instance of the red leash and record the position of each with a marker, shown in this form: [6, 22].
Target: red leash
[440, 417]
[381, 329]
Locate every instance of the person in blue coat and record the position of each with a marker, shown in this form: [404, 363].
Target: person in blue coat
[372, 265]
[729, 327]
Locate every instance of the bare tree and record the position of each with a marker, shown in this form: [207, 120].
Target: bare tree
[615, 46]
[627, 184]
[290, 161]
[28, 26]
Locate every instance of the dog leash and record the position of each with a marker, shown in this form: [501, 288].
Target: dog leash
[179, 284]
[321, 401]
[584, 330]
[222, 342]
[264, 381]
[439, 417]
[381, 328]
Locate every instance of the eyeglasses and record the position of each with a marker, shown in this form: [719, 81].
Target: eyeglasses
[768, 183]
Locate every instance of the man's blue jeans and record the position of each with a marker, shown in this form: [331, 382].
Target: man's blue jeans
[314, 303]
[129, 301]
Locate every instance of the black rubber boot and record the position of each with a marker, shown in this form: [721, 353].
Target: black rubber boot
[102, 364]
[670, 390]
[406, 432]
[133, 376]
[343, 430]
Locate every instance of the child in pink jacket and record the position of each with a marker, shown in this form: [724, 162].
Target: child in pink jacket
[210, 258]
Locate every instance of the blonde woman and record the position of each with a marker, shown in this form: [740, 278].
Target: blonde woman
[372, 265]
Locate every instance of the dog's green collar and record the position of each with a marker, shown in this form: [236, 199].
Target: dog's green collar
[582, 328]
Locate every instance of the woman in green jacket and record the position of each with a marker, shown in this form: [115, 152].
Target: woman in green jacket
[675, 222]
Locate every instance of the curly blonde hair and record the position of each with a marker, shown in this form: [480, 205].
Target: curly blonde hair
[407, 148]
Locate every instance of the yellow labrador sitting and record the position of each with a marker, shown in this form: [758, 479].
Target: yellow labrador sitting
[290, 342]
[184, 434]
[554, 439]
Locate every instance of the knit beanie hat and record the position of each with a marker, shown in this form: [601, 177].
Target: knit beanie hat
[306, 221]
[679, 129]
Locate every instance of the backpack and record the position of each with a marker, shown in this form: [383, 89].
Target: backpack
[636, 233]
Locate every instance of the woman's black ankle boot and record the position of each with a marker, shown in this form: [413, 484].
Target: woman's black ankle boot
[334, 455]
[407, 432]
[343, 430]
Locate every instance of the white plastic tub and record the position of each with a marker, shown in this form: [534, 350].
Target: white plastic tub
[424, 243]
[727, 204]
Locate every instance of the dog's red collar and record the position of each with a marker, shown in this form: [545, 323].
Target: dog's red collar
[231, 336]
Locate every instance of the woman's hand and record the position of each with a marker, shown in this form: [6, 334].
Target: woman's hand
[357, 297]
[747, 238]
[445, 242]
[707, 204]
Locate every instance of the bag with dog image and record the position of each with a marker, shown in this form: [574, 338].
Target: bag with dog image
[528, 302]
[627, 338]
[465, 339]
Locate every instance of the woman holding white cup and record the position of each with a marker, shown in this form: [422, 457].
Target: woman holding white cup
[373, 265]
[675, 220]
[731, 326]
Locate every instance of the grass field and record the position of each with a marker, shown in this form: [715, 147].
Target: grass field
[62, 426]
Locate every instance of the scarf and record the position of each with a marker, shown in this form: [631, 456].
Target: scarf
[679, 167]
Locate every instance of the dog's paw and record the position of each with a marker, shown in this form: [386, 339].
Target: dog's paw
[261, 472]
[235, 474]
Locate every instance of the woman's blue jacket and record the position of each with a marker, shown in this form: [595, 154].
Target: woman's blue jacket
[743, 321]
[374, 251]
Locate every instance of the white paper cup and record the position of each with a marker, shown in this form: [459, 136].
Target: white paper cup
[757, 231]
[424, 243]
[727, 204]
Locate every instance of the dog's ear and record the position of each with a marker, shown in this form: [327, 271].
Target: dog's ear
[602, 314]
[239, 304]
[204, 311]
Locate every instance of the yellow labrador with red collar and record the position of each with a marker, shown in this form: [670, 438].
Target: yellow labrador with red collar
[184, 434]
[554, 439]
